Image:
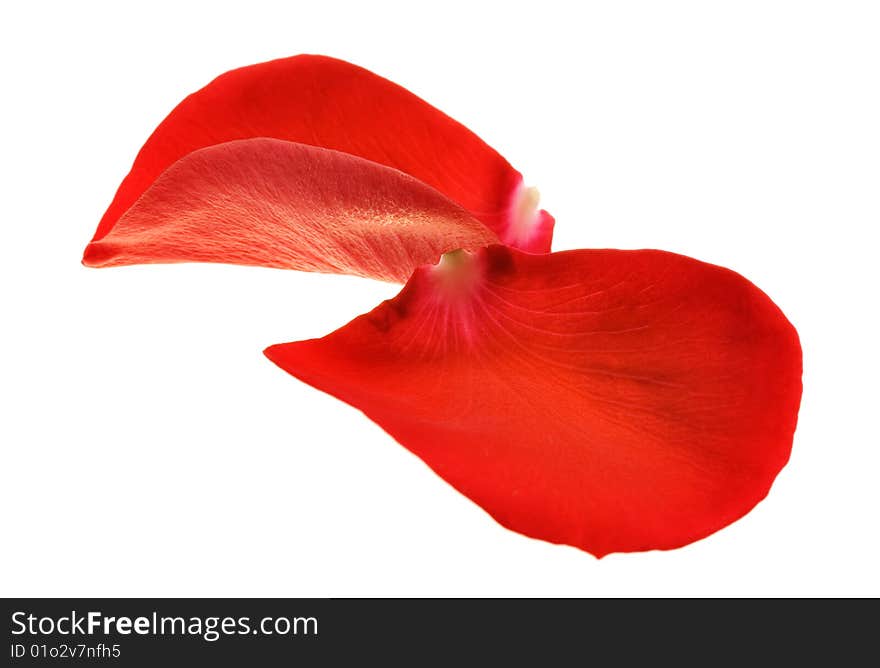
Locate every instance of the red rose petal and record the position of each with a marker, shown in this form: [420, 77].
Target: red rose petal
[612, 400]
[330, 103]
[280, 204]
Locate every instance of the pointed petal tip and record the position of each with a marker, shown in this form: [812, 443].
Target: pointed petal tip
[272, 352]
[95, 255]
[527, 228]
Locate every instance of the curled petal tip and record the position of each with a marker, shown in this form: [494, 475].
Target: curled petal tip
[95, 255]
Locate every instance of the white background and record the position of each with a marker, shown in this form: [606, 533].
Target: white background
[148, 448]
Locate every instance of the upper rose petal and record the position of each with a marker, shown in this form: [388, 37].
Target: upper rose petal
[332, 104]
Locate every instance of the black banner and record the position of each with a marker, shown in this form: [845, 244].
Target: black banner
[266, 632]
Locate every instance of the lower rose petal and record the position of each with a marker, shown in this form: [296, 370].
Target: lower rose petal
[616, 401]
